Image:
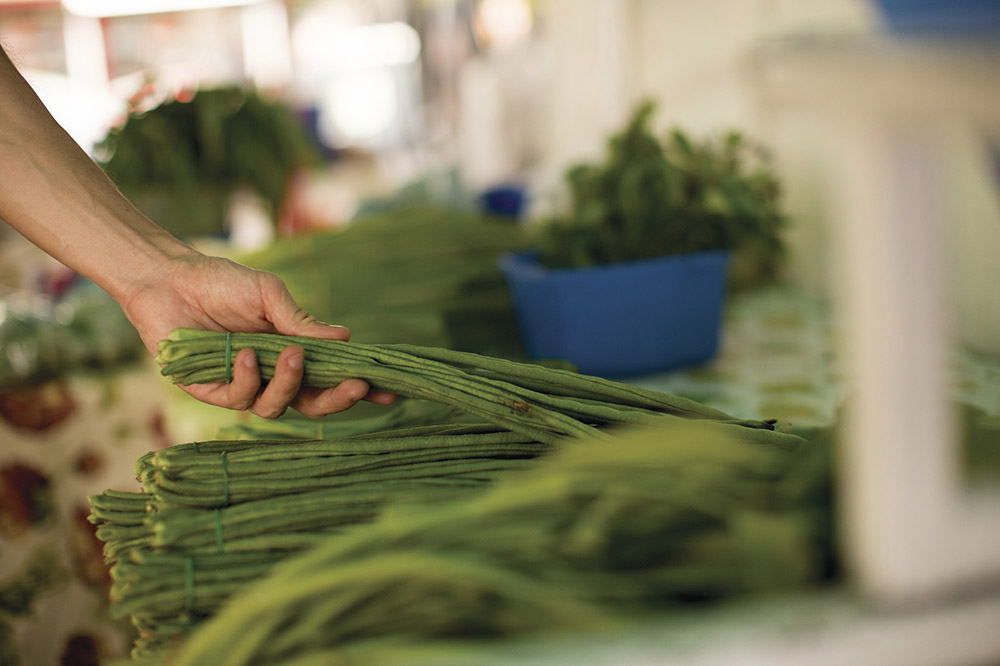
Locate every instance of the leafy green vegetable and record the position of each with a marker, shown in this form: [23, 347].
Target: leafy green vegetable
[653, 198]
[181, 161]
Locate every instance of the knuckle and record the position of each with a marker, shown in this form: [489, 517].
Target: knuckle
[241, 404]
[309, 411]
[323, 404]
[269, 412]
[271, 282]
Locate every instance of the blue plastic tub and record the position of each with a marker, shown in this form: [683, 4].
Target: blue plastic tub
[619, 320]
[946, 18]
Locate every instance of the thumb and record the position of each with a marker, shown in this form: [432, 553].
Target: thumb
[289, 319]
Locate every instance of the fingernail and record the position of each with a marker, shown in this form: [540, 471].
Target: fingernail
[295, 361]
[249, 360]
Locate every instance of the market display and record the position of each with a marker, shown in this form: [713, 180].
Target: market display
[219, 514]
[630, 398]
[592, 535]
[213, 517]
[593, 538]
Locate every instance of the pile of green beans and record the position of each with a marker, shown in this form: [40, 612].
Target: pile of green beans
[214, 516]
[543, 403]
[593, 538]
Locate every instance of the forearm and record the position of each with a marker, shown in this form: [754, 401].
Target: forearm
[58, 198]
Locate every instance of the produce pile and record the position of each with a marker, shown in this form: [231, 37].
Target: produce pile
[655, 197]
[421, 274]
[42, 338]
[213, 517]
[594, 537]
[181, 161]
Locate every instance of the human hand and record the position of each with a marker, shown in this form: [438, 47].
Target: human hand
[211, 293]
[54, 194]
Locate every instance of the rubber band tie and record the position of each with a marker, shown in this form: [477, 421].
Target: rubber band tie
[189, 582]
[218, 531]
[194, 445]
[229, 357]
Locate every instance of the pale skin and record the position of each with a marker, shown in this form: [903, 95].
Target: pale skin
[59, 199]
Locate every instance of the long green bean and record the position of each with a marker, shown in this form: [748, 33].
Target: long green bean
[545, 403]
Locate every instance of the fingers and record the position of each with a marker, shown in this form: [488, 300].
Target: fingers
[240, 393]
[314, 328]
[381, 397]
[285, 389]
[314, 402]
[282, 389]
[288, 318]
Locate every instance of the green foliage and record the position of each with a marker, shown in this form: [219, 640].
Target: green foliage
[181, 161]
[653, 198]
[419, 273]
[18, 592]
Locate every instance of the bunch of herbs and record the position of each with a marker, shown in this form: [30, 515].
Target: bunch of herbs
[655, 197]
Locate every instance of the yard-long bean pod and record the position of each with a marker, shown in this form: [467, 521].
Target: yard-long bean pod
[171, 460]
[543, 379]
[477, 398]
[545, 403]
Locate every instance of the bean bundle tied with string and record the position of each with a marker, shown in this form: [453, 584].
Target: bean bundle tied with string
[214, 516]
[540, 402]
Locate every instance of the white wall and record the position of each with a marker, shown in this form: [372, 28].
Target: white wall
[695, 57]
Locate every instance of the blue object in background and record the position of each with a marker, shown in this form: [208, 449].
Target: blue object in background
[944, 18]
[618, 320]
[505, 200]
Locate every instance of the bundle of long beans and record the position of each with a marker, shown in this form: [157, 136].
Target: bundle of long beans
[214, 516]
[543, 403]
[592, 538]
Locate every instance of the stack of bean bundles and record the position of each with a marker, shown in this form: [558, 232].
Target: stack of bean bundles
[213, 517]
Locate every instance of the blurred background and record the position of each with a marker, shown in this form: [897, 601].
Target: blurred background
[272, 131]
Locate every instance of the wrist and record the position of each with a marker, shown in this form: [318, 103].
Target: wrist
[143, 254]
